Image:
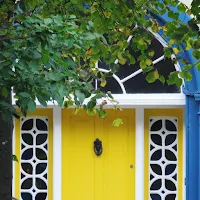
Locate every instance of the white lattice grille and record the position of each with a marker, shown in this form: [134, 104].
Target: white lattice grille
[163, 160]
[34, 158]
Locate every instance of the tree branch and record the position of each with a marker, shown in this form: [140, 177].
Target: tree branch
[14, 38]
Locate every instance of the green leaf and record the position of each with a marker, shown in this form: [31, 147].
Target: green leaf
[188, 76]
[121, 59]
[148, 69]
[148, 62]
[24, 94]
[42, 100]
[110, 95]
[48, 21]
[198, 66]
[143, 64]
[31, 106]
[68, 103]
[80, 96]
[4, 92]
[182, 7]
[150, 78]
[173, 15]
[187, 67]
[89, 36]
[188, 46]
[102, 113]
[74, 1]
[175, 79]
[14, 158]
[91, 112]
[117, 122]
[91, 104]
[196, 54]
[162, 79]
[155, 74]
[103, 82]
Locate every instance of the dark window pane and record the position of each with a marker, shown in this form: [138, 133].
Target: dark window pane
[41, 196]
[27, 167]
[170, 126]
[170, 197]
[40, 154]
[27, 138]
[170, 185]
[41, 138]
[26, 196]
[41, 125]
[170, 155]
[157, 48]
[46, 147]
[170, 169]
[156, 139]
[175, 147]
[156, 155]
[151, 147]
[112, 85]
[170, 139]
[40, 184]
[151, 176]
[156, 185]
[27, 125]
[22, 176]
[175, 177]
[45, 176]
[156, 126]
[155, 197]
[27, 184]
[40, 168]
[156, 169]
[138, 84]
[28, 154]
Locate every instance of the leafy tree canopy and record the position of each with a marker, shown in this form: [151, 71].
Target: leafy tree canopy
[48, 49]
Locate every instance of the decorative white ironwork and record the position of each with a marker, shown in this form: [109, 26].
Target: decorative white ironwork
[34, 158]
[163, 158]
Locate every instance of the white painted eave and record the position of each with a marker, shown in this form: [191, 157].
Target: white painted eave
[131, 100]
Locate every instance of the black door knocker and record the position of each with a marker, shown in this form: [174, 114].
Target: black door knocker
[98, 149]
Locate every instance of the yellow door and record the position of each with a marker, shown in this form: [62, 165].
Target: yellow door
[86, 176]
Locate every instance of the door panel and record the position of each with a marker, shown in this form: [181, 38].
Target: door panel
[91, 177]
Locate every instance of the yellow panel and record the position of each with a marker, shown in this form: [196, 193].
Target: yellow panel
[108, 176]
[38, 113]
[167, 113]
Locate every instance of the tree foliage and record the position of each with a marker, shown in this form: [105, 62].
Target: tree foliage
[48, 49]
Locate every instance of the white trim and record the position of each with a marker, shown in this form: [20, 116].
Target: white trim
[158, 37]
[57, 154]
[139, 178]
[133, 100]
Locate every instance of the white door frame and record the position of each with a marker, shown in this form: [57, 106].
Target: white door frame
[137, 101]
